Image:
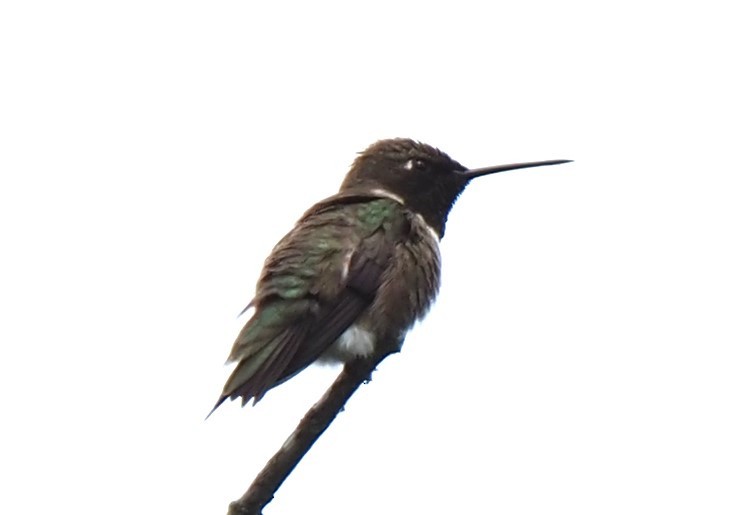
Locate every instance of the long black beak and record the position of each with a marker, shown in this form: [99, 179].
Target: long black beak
[478, 172]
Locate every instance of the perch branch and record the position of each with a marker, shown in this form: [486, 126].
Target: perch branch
[314, 423]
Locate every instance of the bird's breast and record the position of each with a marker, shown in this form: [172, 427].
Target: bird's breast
[407, 289]
[410, 283]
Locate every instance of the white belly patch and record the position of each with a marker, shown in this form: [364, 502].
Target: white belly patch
[354, 343]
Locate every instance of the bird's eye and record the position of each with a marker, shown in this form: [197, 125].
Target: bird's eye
[415, 164]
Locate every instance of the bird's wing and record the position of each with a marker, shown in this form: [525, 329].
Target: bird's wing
[312, 289]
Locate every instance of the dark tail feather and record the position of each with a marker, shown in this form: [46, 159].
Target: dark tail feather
[270, 372]
[263, 371]
[273, 373]
[219, 403]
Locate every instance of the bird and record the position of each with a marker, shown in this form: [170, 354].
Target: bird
[357, 270]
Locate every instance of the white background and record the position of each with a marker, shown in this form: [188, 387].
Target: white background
[588, 352]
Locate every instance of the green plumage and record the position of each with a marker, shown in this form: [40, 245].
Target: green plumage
[319, 280]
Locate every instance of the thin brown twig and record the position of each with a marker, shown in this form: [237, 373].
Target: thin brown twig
[314, 423]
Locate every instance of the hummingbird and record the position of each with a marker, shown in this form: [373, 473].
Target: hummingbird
[356, 271]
